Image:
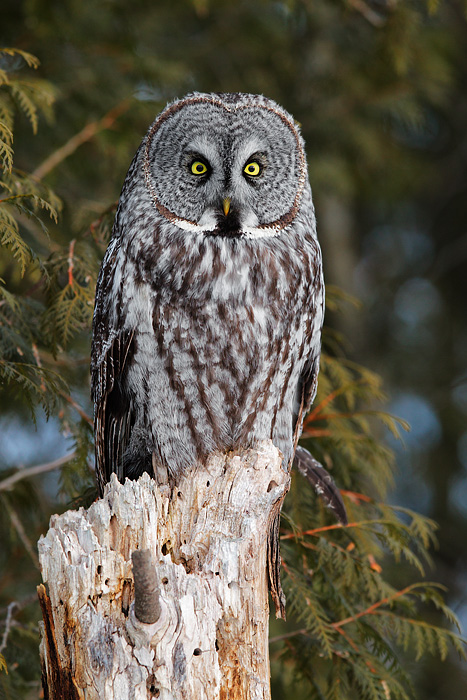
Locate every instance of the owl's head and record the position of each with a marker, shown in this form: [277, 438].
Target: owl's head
[225, 164]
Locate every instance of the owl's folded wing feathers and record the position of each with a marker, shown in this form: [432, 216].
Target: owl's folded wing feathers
[113, 417]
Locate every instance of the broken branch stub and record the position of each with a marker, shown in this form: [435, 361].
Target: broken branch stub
[205, 636]
[147, 606]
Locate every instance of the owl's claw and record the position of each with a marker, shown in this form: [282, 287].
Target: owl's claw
[321, 481]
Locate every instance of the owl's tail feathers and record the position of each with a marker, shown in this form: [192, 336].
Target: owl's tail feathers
[321, 481]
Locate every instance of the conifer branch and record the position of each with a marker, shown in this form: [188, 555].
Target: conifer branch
[86, 134]
[378, 604]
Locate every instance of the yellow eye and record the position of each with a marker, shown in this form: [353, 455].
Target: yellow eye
[252, 168]
[198, 167]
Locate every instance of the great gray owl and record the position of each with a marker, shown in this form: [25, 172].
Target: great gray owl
[210, 298]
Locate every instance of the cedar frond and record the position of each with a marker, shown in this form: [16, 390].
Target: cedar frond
[25, 196]
[71, 293]
[32, 96]
[11, 238]
[336, 575]
[305, 605]
[32, 61]
[37, 384]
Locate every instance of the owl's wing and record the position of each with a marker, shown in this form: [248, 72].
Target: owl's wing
[306, 391]
[113, 415]
[306, 464]
[111, 354]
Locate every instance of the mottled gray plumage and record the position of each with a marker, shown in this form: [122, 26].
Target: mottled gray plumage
[207, 324]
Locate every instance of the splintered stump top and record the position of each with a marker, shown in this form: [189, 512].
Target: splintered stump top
[208, 539]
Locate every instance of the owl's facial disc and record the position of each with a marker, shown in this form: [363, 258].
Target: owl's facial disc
[225, 213]
[202, 153]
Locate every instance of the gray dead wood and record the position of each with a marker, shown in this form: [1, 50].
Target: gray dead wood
[207, 595]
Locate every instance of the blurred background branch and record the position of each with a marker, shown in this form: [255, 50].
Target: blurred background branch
[86, 133]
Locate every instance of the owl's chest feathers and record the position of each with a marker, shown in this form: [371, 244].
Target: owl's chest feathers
[193, 272]
[221, 334]
[217, 307]
[222, 299]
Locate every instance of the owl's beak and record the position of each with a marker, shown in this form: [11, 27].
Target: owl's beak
[226, 205]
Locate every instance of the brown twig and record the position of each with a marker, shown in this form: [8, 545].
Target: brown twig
[280, 637]
[81, 137]
[336, 526]
[71, 264]
[370, 15]
[372, 608]
[49, 358]
[77, 407]
[356, 496]
[354, 646]
[18, 525]
[315, 413]
[316, 432]
[32, 471]
[343, 414]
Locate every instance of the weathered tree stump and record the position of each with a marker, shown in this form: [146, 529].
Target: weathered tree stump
[208, 598]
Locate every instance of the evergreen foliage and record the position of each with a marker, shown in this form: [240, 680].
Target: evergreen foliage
[22, 198]
[359, 616]
[356, 626]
